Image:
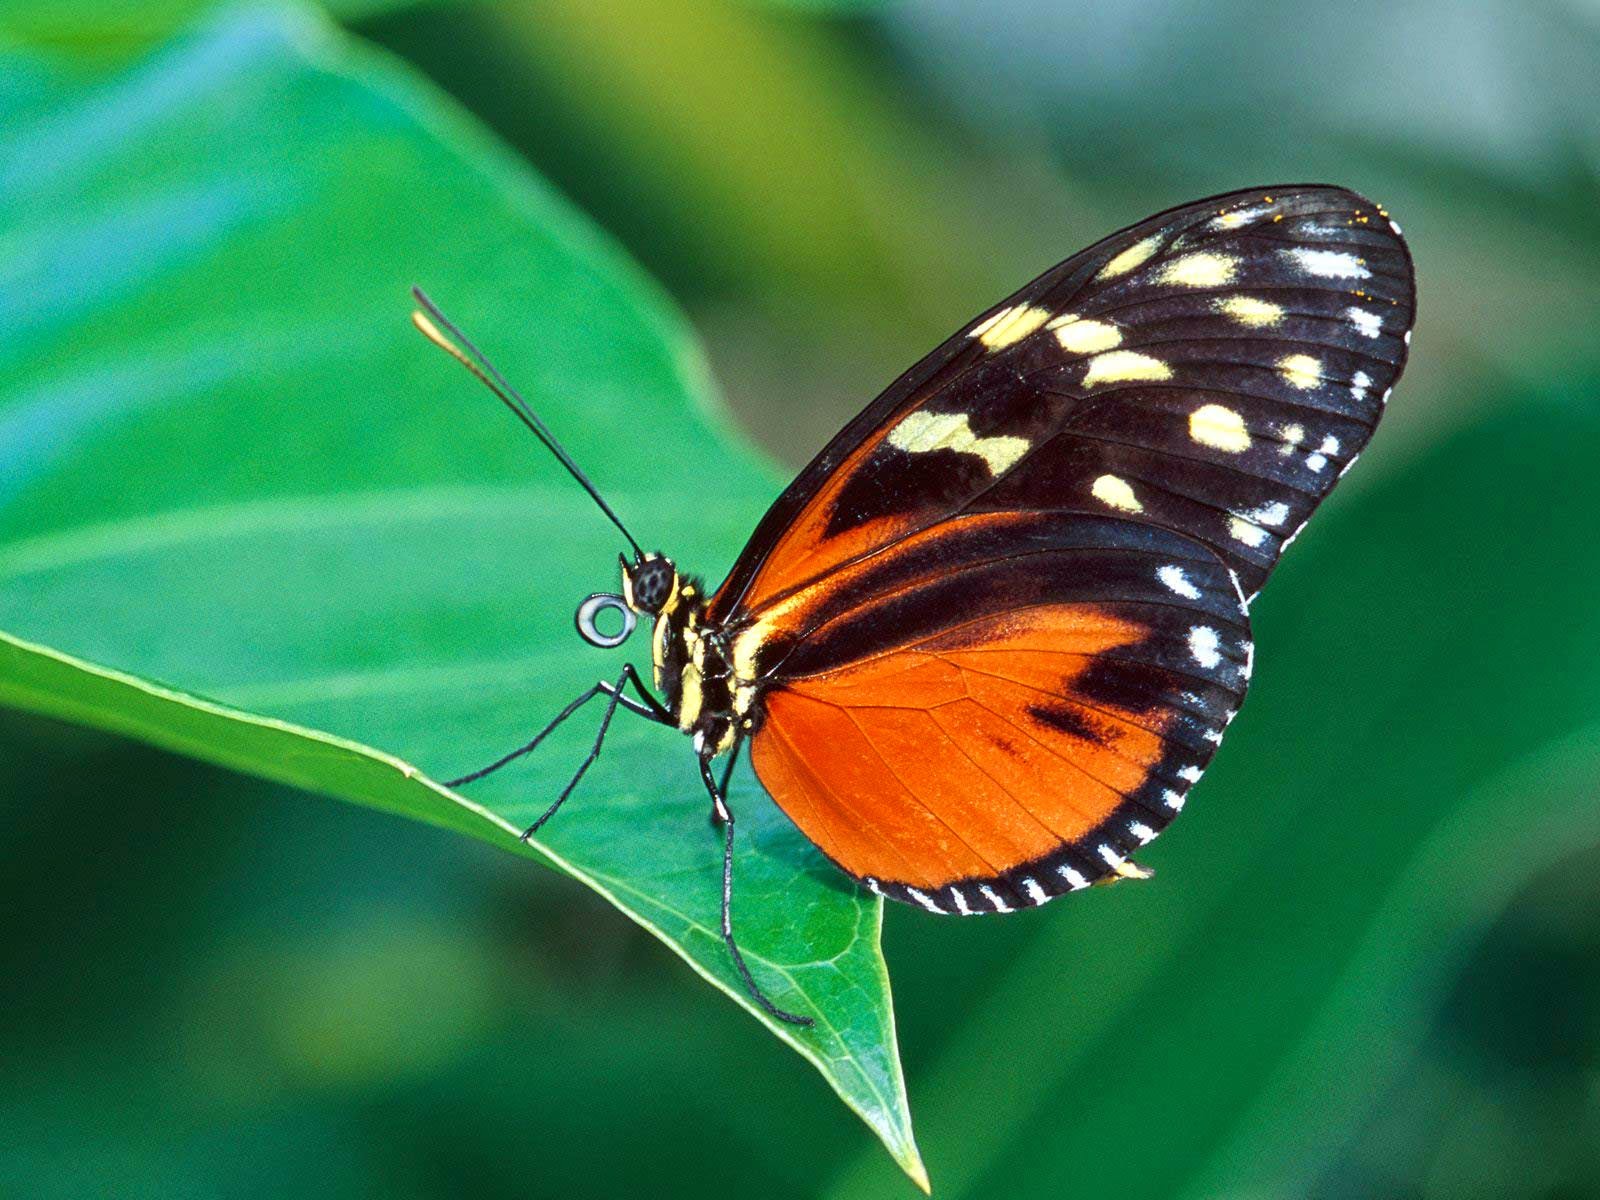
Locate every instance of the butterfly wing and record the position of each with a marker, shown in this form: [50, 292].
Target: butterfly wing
[1213, 369]
[1003, 708]
[998, 625]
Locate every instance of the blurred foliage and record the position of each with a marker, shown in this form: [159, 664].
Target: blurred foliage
[105, 31]
[1367, 964]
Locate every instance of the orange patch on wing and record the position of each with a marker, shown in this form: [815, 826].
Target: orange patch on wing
[806, 551]
[963, 755]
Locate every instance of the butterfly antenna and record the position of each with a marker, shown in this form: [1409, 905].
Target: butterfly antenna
[442, 332]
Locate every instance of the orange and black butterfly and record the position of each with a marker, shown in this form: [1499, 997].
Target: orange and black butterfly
[985, 643]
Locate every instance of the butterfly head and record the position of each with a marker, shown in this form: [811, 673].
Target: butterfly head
[649, 582]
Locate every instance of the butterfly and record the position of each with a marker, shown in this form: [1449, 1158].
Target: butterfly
[988, 639]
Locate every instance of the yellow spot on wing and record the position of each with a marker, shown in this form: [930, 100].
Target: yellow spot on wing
[1214, 425]
[1301, 370]
[1109, 489]
[1130, 258]
[1238, 217]
[1201, 270]
[1250, 310]
[1118, 366]
[922, 431]
[1010, 325]
[1084, 337]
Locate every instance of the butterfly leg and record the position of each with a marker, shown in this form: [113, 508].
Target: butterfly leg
[617, 697]
[646, 706]
[727, 774]
[723, 815]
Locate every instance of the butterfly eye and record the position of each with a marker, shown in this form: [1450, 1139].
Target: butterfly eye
[590, 610]
[652, 581]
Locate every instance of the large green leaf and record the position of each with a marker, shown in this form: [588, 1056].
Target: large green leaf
[229, 465]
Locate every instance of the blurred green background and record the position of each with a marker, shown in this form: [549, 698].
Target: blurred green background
[1370, 962]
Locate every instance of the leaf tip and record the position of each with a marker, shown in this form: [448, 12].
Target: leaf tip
[918, 1173]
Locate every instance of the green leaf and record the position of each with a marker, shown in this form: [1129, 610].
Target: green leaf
[230, 465]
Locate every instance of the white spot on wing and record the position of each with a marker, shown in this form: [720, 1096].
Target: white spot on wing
[1328, 264]
[1318, 460]
[1075, 879]
[993, 898]
[923, 899]
[1368, 324]
[1359, 383]
[1191, 773]
[1173, 800]
[1205, 646]
[1141, 831]
[961, 901]
[1292, 436]
[1274, 514]
[1176, 581]
[1031, 889]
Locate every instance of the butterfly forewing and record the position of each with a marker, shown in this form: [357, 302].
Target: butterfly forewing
[1212, 369]
[998, 625]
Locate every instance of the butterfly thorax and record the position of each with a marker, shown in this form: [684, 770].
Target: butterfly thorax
[690, 658]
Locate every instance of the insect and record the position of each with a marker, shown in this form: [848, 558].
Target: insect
[987, 640]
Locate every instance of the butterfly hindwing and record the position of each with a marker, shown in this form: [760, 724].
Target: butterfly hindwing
[1007, 728]
[1213, 370]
